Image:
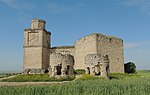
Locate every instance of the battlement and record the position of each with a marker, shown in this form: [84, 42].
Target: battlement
[102, 35]
[62, 47]
[101, 38]
[38, 24]
[109, 39]
[87, 37]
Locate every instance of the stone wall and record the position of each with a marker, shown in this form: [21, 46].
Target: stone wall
[45, 49]
[59, 59]
[46, 39]
[94, 59]
[32, 57]
[55, 59]
[32, 49]
[63, 50]
[97, 64]
[61, 64]
[45, 58]
[84, 46]
[100, 44]
[113, 47]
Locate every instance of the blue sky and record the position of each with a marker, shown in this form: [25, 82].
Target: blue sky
[69, 20]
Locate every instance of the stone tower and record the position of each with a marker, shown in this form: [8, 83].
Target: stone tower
[36, 46]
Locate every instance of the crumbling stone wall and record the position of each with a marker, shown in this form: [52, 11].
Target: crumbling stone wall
[113, 47]
[100, 44]
[61, 65]
[63, 50]
[35, 71]
[97, 64]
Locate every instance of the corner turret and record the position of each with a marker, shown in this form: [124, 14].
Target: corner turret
[38, 24]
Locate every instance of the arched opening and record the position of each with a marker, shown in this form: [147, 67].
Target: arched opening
[107, 70]
[58, 69]
[68, 70]
[88, 70]
[98, 69]
[46, 71]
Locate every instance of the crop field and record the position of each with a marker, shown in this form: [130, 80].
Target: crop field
[119, 84]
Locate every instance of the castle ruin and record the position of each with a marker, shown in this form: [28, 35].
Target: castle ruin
[40, 56]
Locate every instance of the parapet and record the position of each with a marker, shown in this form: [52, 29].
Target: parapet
[63, 47]
[109, 39]
[102, 38]
[38, 24]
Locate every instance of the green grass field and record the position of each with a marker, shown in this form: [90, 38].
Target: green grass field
[120, 84]
[37, 78]
[2, 75]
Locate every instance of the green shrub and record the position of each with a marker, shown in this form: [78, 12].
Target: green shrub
[130, 67]
[79, 71]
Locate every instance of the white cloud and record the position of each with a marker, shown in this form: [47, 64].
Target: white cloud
[17, 5]
[56, 8]
[142, 5]
[131, 45]
[137, 44]
[138, 53]
[80, 4]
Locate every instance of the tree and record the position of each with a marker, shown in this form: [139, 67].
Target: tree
[130, 67]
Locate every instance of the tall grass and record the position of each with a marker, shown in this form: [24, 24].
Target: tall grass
[129, 85]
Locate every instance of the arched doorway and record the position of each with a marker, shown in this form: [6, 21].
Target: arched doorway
[68, 70]
[58, 69]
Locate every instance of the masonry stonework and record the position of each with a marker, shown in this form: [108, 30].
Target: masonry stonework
[97, 64]
[36, 46]
[39, 55]
[84, 46]
[113, 47]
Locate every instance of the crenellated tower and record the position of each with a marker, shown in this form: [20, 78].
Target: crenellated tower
[36, 46]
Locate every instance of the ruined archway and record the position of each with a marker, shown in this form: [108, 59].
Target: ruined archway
[97, 64]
